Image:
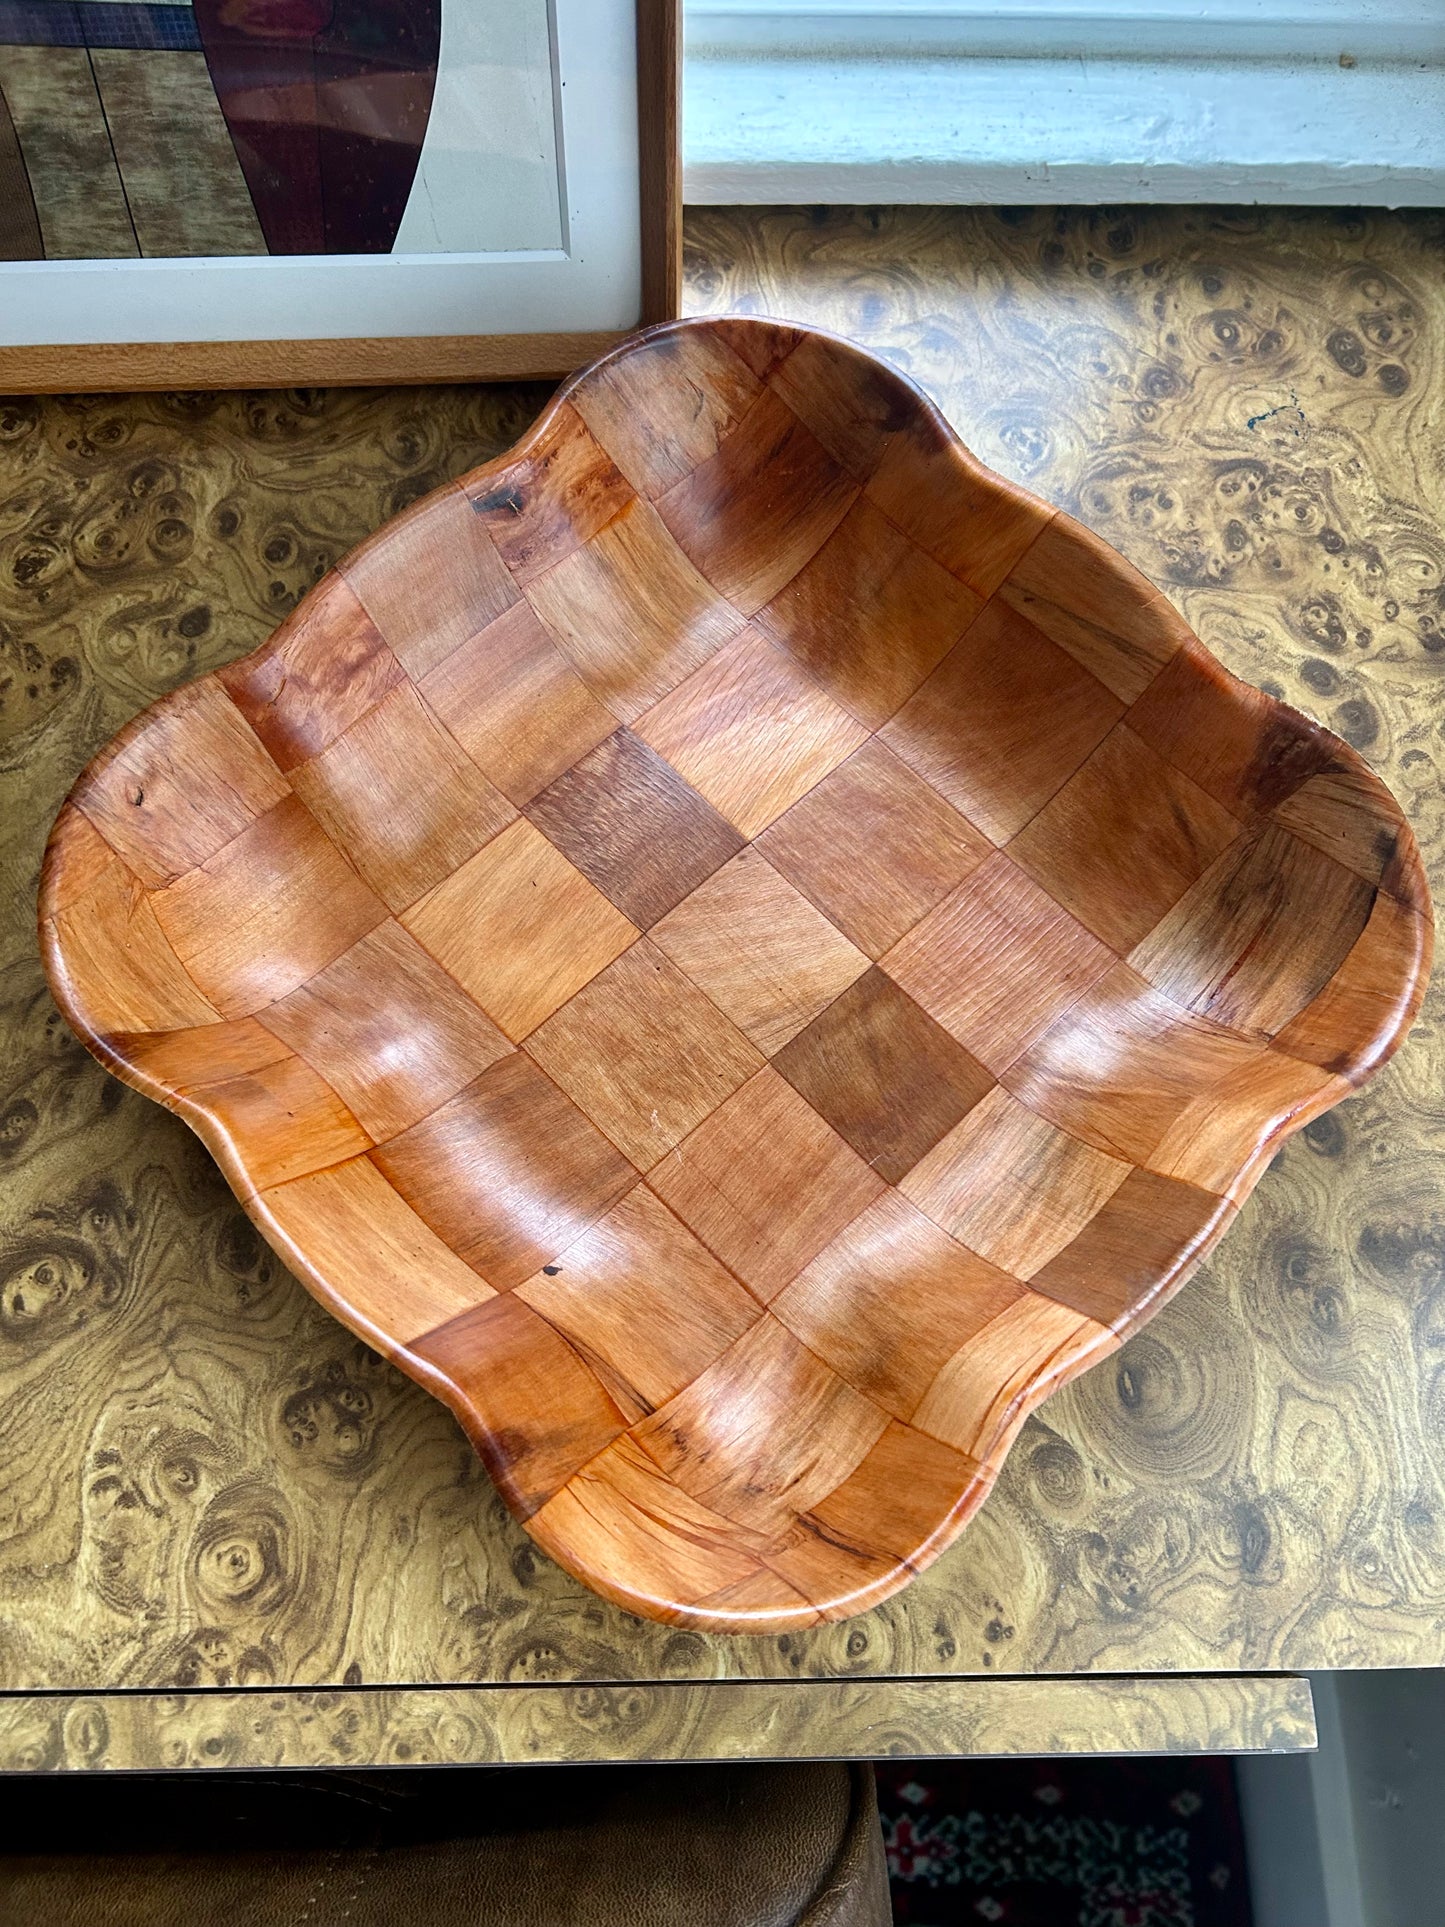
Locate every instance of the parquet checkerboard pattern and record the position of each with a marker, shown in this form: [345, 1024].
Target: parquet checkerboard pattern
[742, 950]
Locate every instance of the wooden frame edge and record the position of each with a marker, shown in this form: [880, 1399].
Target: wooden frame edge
[355, 362]
[412, 360]
[659, 140]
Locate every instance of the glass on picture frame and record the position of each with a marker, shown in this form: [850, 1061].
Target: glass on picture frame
[331, 189]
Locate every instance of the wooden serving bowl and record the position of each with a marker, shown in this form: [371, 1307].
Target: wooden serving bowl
[742, 951]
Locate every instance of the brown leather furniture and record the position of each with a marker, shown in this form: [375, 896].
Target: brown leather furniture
[665, 1846]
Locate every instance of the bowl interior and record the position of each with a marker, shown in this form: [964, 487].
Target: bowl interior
[742, 950]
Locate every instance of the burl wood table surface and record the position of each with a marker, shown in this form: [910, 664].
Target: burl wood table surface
[215, 1495]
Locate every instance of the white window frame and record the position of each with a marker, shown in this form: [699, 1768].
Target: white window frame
[1065, 100]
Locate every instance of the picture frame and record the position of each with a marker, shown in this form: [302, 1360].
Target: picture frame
[611, 261]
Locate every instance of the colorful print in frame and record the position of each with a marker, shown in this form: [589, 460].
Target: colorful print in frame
[228, 192]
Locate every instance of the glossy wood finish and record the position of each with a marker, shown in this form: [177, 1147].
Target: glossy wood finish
[1248, 1482]
[741, 1250]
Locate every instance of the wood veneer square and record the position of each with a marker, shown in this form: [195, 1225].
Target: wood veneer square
[765, 1183]
[765, 1432]
[389, 1029]
[644, 1053]
[762, 343]
[903, 1490]
[430, 579]
[874, 846]
[623, 1503]
[631, 824]
[1236, 742]
[516, 706]
[663, 409]
[1369, 994]
[322, 670]
[508, 1172]
[631, 613]
[1003, 722]
[346, 1226]
[1123, 839]
[1260, 934]
[1120, 1065]
[1011, 1186]
[997, 961]
[1146, 1236]
[890, 1300]
[1035, 1342]
[854, 406]
[77, 858]
[282, 1121]
[399, 796]
[1259, 1101]
[752, 1602]
[271, 908]
[110, 953]
[182, 1060]
[759, 949]
[751, 731]
[1343, 814]
[539, 1413]
[887, 1078]
[519, 928]
[550, 501]
[751, 515]
[646, 1305]
[971, 521]
[810, 1559]
[870, 616]
[172, 795]
[1089, 600]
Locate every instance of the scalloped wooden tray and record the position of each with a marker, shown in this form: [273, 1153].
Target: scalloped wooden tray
[742, 951]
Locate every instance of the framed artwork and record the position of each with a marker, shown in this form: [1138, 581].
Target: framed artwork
[227, 193]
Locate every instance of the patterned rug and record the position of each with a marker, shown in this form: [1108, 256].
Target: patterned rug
[1071, 1843]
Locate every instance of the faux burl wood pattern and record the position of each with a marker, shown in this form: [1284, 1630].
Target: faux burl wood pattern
[743, 951]
[532, 1725]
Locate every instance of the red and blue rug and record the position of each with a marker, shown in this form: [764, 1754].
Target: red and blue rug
[1064, 1843]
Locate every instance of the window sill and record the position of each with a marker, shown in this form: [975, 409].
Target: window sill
[862, 127]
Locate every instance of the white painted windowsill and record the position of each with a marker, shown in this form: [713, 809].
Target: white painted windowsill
[910, 104]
